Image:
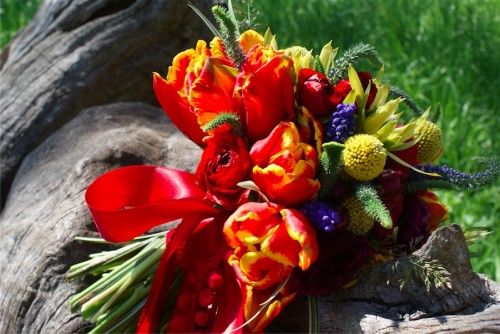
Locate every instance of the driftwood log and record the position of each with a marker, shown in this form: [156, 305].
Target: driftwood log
[77, 54]
[82, 53]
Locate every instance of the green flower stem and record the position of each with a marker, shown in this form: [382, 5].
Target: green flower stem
[111, 278]
[124, 311]
[122, 279]
[125, 324]
[313, 315]
[101, 258]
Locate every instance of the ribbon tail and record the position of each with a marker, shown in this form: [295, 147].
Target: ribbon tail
[169, 263]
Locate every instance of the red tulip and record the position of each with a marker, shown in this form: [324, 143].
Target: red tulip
[285, 167]
[269, 241]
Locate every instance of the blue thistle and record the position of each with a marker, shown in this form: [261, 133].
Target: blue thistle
[321, 215]
[342, 123]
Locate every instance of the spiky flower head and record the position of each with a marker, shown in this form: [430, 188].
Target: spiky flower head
[430, 145]
[360, 222]
[363, 157]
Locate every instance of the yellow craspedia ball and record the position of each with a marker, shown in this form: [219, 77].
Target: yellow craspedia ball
[363, 157]
[359, 221]
[430, 145]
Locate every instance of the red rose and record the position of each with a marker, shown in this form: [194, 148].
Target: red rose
[342, 89]
[316, 93]
[224, 163]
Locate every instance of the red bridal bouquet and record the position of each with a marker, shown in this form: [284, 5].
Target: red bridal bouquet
[310, 174]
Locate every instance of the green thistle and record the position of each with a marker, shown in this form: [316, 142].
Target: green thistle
[373, 205]
[229, 33]
[353, 55]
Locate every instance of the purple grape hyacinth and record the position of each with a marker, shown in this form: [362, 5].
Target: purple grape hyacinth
[321, 215]
[342, 123]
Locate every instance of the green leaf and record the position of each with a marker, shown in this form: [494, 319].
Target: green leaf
[330, 164]
[205, 20]
[374, 122]
[327, 56]
[414, 107]
[372, 204]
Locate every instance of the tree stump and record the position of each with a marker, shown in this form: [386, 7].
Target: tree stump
[82, 53]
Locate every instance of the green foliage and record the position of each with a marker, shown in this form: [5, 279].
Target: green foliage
[330, 164]
[373, 205]
[245, 14]
[352, 56]
[437, 52]
[396, 92]
[229, 33]
[415, 271]
[14, 15]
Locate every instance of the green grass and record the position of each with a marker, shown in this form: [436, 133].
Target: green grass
[15, 14]
[442, 51]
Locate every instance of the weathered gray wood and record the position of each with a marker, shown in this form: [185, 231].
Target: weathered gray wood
[46, 208]
[82, 53]
[377, 305]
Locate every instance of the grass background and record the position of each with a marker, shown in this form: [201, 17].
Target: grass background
[444, 51]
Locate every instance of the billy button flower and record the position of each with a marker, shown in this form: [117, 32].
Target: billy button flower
[364, 157]
[285, 167]
[430, 145]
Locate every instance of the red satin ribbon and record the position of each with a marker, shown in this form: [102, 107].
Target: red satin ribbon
[129, 201]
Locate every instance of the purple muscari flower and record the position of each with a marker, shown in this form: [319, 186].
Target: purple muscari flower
[342, 123]
[457, 178]
[321, 215]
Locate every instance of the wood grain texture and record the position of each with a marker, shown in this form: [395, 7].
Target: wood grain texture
[46, 209]
[82, 53]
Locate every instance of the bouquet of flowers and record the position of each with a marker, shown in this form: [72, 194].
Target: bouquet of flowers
[311, 173]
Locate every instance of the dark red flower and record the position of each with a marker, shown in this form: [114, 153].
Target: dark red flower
[342, 89]
[390, 190]
[341, 257]
[408, 155]
[225, 162]
[316, 93]
[413, 223]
